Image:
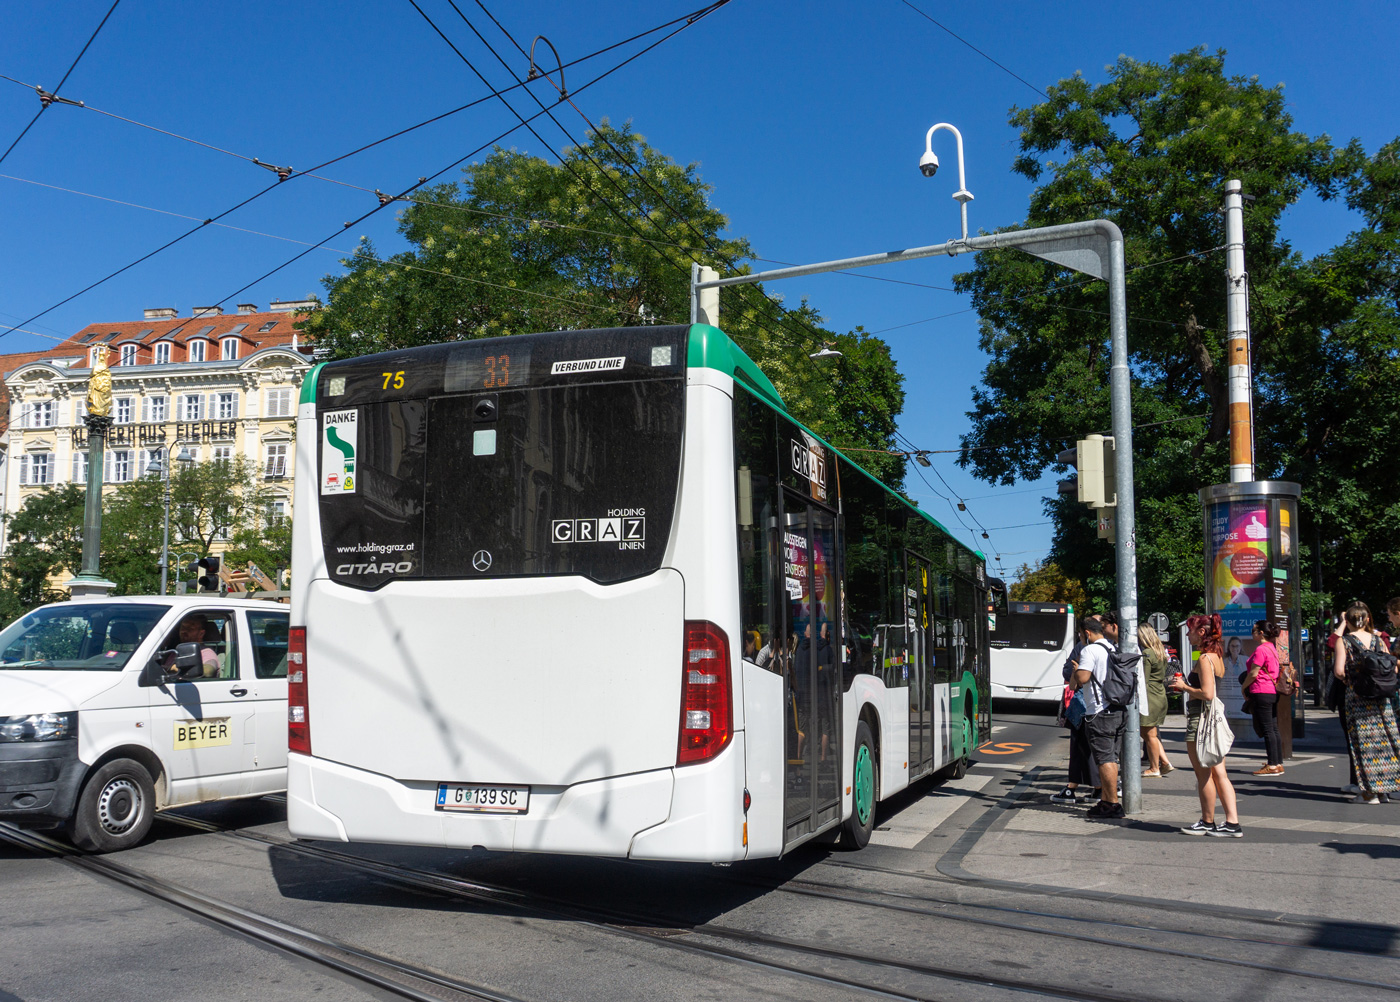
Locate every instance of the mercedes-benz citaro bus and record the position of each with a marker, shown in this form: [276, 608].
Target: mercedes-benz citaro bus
[1030, 643]
[597, 592]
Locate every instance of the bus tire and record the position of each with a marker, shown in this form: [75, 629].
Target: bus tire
[856, 830]
[959, 769]
[115, 809]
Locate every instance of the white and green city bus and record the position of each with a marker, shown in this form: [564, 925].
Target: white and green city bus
[597, 592]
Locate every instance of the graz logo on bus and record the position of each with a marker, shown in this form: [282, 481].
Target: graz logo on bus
[625, 527]
[809, 461]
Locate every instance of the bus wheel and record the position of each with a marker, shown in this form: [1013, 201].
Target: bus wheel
[855, 833]
[959, 769]
[115, 809]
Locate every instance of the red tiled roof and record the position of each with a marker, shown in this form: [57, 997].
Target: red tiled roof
[181, 329]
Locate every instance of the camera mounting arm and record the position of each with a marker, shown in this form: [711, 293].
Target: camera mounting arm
[962, 195]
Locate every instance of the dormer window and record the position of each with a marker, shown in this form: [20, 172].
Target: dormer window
[267, 326]
[128, 354]
[230, 345]
[92, 357]
[196, 351]
[163, 353]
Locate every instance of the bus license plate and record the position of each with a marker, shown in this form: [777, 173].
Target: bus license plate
[483, 799]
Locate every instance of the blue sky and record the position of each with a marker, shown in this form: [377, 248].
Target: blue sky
[807, 120]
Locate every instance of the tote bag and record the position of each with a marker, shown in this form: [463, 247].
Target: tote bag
[1214, 737]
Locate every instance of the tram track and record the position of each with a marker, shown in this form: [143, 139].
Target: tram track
[395, 976]
[663, 929]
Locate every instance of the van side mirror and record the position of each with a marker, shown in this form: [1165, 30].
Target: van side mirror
[152, 675]
[186, 656]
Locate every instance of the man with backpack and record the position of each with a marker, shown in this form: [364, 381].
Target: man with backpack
[1099, 679]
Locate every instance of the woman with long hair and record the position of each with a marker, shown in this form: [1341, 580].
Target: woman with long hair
[1154, 657]
[1211, 781]
[1261, 686]
[1371, 727]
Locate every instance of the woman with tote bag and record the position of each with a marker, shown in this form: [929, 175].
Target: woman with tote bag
[1207, 732]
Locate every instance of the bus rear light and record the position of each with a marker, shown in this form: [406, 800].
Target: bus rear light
[706, 695]
[298, 712]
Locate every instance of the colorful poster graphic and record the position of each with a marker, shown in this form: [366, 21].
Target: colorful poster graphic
[1239, 556]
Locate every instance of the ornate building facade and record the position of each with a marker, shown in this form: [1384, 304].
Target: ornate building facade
[220, 385]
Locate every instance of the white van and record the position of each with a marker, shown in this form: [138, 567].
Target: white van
[114, 708]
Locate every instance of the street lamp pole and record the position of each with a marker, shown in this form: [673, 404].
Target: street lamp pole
[163, 467]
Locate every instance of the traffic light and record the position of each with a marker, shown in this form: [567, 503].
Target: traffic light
[207, 570]
[1094, 459]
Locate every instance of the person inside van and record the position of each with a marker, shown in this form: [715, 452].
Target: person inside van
[192, 630]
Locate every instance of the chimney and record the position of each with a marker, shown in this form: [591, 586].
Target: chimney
[207, 311]
[246, 308]
[293, 305]
[162, 313]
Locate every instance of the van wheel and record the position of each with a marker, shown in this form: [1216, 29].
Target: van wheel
[115, 809]
[855, 831]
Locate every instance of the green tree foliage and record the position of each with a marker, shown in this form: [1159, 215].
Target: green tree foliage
[209, 501]
[489, 258]
[267, 545]
[1045, 582]
[1152, 149]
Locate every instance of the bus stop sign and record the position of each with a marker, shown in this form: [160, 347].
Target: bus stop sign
[1159, 622]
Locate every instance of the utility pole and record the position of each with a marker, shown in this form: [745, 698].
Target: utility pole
[1237, 349]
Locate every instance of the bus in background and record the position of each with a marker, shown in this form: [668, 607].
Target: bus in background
[1030, 642]
[597, 592]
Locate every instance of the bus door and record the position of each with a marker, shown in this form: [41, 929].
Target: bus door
[921, 663]
[812, 669]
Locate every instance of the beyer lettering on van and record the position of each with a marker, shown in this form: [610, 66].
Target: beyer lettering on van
[588, 365]
[626, 532]
[203, 733]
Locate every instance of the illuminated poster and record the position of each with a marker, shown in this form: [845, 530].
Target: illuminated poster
[1240, 579]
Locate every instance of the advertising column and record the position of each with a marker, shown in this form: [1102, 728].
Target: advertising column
[1251, 574]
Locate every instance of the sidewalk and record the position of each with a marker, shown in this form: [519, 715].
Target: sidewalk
[1306, 848]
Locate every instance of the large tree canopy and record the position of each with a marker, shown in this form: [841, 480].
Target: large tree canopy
[605, 238]
[1151, 149]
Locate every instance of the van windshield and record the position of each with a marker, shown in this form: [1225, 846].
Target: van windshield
[77, 637]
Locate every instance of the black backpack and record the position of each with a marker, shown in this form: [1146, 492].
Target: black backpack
[1373, 674]
[1119, 687]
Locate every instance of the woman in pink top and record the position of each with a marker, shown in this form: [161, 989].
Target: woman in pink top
[1261, 683]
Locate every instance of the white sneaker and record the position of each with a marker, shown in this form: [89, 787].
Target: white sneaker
[1351, 789]
[1369, 798]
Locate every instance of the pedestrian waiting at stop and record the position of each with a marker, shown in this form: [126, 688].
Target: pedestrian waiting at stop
[1261, 683]
[1082, 772]
[1200, 687]
[1154, 657]
[1370, 717]
[1103, 724]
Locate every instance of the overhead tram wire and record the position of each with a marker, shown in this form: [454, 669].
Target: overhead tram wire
[455, 163]
[264, 191]
[48, 99]
[977, 50]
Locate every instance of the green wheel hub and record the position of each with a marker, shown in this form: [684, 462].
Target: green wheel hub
[864, 785]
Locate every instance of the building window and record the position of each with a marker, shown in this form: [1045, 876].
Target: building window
[226, 406]
[223, 520]
[276, 462]
[118, 466]
[36, 468]
[122, 412]
[80, 467]
[196, 350]
[155, 409]
[128, 354]
[223, 453]
[277, 512]
[267, 326]
[92, 357]
[40, 414]
[163, 353]
[192, 407]
[279, 403]
[230, 348]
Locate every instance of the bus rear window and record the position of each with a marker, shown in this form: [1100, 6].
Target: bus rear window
[540, 480]
[1037, 631]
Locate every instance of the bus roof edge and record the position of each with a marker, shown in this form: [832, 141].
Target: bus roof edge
[711, 348]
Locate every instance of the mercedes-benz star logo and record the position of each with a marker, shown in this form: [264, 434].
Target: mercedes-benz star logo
[481, 560]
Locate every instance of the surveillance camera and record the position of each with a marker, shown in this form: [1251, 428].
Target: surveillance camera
[485, 409]
[928, 163]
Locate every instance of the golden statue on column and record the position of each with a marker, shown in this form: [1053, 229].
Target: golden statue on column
[99, 395]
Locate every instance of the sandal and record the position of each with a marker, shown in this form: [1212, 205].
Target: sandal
[1151, 773]
[1166, 767]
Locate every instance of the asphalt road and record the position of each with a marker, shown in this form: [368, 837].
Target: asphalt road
[820, 924]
